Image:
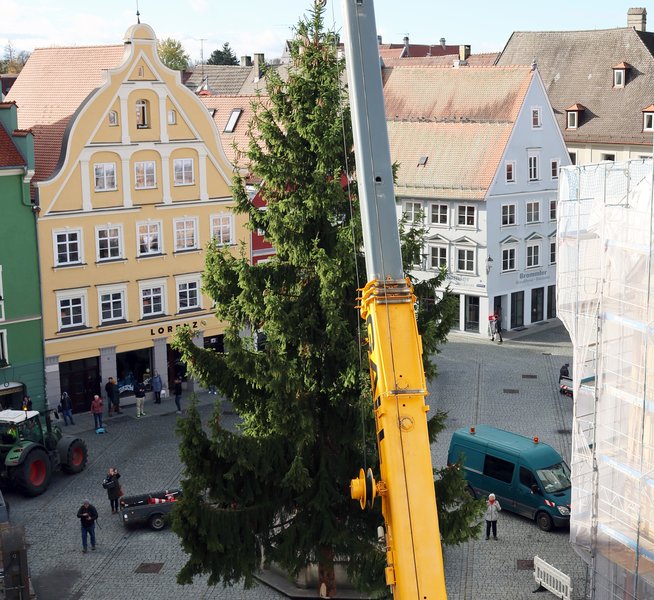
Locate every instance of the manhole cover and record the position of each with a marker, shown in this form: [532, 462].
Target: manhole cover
[547, 354]
[150, 568]
[529, 376]
[507, 391]
[564, 430]
[525, 564]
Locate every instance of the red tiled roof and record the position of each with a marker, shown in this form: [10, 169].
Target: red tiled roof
[416, 50]
[223, 107]
[447, 60]
[51, 87]
[9, 154]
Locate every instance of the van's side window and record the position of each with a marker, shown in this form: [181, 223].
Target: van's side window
[498, 469]
[527, 477]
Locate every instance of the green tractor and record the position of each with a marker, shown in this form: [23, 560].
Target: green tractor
[29, 454]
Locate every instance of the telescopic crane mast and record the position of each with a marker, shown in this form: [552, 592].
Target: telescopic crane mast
[413, 549]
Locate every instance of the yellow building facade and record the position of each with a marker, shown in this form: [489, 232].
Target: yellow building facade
[141, 187]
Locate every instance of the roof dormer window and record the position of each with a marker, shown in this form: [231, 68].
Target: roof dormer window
[620, 75]
[648, 118]
[572, 115]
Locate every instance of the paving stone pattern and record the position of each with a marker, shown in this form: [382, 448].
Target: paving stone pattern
[473, 376]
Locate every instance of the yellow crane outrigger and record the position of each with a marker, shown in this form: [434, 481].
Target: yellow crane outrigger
[413, 548]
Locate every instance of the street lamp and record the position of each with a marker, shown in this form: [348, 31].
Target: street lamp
[489, 264]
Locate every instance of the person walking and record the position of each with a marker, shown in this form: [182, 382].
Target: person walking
[112, 486]
[96, 410]
[67, 408]
[87, 515]
[113, 396]
[492, 511]
[177, 388]
[157, 386]
[498, 328]
[139, 392]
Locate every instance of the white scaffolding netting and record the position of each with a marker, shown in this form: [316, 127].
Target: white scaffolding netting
[605, 281]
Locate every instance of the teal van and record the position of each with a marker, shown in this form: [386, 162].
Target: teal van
[527, 476]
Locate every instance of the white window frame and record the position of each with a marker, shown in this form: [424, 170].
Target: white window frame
[182, 227]
[412, 210]
[619, 76]
[532, 212]
[509, 254]
[553, 252]
[104, 177]
[222, 227]
[438, 257]
[464, 210]
[233, 119]
[572, 119]
[148, 287]
[554, 168]
[151, 225]
[172, 117]
[509, 215]
[648, 121]
[186, 168]
[509, 171]
[4, 350]
[111, 291]
[553, 207]
[113, 118]
[142, 113]
[536, 122]
[468, 258]
[439, 211]
[148, 174]
[185, 281]
[118, 235]
[68, 296]
[532, 255]
[80, 247]
[533, 160]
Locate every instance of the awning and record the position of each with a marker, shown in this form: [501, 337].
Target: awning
[10, 387]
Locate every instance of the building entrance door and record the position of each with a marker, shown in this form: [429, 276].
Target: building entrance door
[537, 304]
[472, 313]
[517, 309]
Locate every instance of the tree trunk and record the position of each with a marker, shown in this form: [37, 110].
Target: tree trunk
[326, 577]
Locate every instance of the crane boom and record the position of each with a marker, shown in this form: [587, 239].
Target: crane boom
[413, 549]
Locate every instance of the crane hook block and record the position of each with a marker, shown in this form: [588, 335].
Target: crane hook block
[364, 489]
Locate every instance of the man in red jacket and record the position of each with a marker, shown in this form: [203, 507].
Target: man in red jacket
[96, 410]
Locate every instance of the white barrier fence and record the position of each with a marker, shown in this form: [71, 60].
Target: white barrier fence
[552, 579]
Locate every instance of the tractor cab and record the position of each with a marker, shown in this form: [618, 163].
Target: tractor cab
[20, 425]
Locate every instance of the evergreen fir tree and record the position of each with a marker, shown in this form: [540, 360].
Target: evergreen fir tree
[278, 488]
[225, 56]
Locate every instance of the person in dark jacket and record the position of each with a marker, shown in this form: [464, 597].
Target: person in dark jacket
[67, 408]
[177, 388]
[112, 486]
[139, 392]
[113, 396]
[87, 515]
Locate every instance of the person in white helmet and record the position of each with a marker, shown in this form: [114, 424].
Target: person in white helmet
[492, 511]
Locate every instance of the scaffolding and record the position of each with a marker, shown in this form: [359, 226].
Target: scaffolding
[604, 297]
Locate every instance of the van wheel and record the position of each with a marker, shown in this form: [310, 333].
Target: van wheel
[471, 491]
[544, 521]
[157, 522]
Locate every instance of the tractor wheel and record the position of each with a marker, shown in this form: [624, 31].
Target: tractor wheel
[33, 476]
[76, 458]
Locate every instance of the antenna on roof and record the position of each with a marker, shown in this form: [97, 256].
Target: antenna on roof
[202, 40]
[138, 14]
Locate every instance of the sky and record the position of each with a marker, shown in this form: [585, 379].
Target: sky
[255, 26]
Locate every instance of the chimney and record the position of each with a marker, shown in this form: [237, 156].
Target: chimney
[246, 61]
[259, 63]
[637, 18]
[464, 52]
[405, 51]
[442, 41]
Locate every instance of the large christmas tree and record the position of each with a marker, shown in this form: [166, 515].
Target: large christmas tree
[278, 489]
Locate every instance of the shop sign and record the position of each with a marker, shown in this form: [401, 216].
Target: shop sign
[172, 328]
[539, 275]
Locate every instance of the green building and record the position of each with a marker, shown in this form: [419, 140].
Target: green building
[21, 339]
